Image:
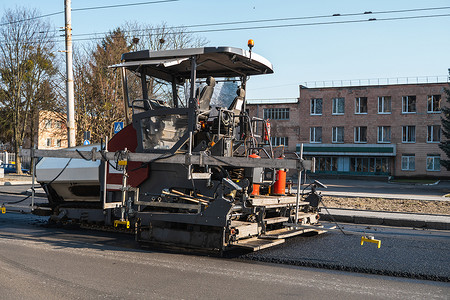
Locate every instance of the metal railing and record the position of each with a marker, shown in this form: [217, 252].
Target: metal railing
[377, 81]
[272, 101]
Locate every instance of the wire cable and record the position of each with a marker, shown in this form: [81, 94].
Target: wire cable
[89, 8]
[122, 5]
[278, 19]
[61, 39]
[45, 185]
[326, 208]
[143, 165]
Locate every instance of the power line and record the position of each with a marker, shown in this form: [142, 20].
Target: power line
[320, 23]
[122, 5]
[319, 16]
[283, 19]
[278, 26]
[32, 18]
[288, 25]
[88, 8]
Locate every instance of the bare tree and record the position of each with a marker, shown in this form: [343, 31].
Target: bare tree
[98, 89]
[160, 37]
[26, 62]
[156, 38]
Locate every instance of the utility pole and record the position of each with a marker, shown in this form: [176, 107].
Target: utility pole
[69, 75]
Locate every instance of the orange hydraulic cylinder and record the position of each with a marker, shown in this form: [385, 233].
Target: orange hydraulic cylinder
[279, 187]
[255, 186]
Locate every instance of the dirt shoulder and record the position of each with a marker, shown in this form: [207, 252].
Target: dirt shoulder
[391, 205]
[15, 177]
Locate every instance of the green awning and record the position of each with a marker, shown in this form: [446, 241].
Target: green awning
[348, 149]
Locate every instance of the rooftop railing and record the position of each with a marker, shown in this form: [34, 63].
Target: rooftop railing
[272, 101]
[377, 81]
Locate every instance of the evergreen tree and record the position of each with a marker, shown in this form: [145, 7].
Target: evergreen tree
[445, 119]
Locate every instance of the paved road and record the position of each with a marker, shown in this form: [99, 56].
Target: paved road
[15, 193]
[404, 252]
[51, 263]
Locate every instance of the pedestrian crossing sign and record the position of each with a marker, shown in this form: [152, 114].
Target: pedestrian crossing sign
[118, 126]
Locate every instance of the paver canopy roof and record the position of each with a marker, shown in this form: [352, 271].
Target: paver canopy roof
[211, 61]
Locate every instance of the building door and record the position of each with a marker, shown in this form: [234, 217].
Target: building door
[343, 164]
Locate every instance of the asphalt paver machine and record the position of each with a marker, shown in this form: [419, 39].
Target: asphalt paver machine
[191, 168]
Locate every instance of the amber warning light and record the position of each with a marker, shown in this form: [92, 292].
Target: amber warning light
[250, 44]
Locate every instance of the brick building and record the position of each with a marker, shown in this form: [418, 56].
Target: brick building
[363, 130]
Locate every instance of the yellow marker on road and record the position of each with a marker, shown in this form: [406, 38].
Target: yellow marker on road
[117, 222]
[3, 210]
[370, 239]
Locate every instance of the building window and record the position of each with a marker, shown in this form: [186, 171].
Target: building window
[408, 162]
[58, 124]
[434, 134]
[434, 104]
[326, 163]
[361, 134]
[338, 134]
[338, 106]
[48, 123]
[384, 134]
[276, 113]
[58, 143]
[316, 106]
[371, 165]
[433, 162]
[361, 105]
[408, 104]
[315, 135]
[384, 105]
[279, 141]
[409, 134]
[49, 142]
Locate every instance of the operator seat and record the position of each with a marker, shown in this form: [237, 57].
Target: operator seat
[205, 95]
[236, 105]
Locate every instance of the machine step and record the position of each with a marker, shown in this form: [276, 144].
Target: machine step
[283, 233]
[256, 244]
[245, 229]
[276, 220]
[274, 200]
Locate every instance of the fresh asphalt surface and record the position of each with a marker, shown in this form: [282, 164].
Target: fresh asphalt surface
[404, 252]
[39, 262]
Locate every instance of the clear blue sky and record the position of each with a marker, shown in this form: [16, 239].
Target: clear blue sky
[379, 49]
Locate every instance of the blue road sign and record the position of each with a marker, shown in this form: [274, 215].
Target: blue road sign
[86, 142]
[118, 126]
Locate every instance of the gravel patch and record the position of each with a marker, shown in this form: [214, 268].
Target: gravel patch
[390, 205]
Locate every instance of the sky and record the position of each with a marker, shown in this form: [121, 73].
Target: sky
[299, 54]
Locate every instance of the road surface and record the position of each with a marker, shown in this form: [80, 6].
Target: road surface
[38, 262]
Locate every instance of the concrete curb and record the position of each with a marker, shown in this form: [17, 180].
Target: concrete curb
[13, 182]
[440, 222]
